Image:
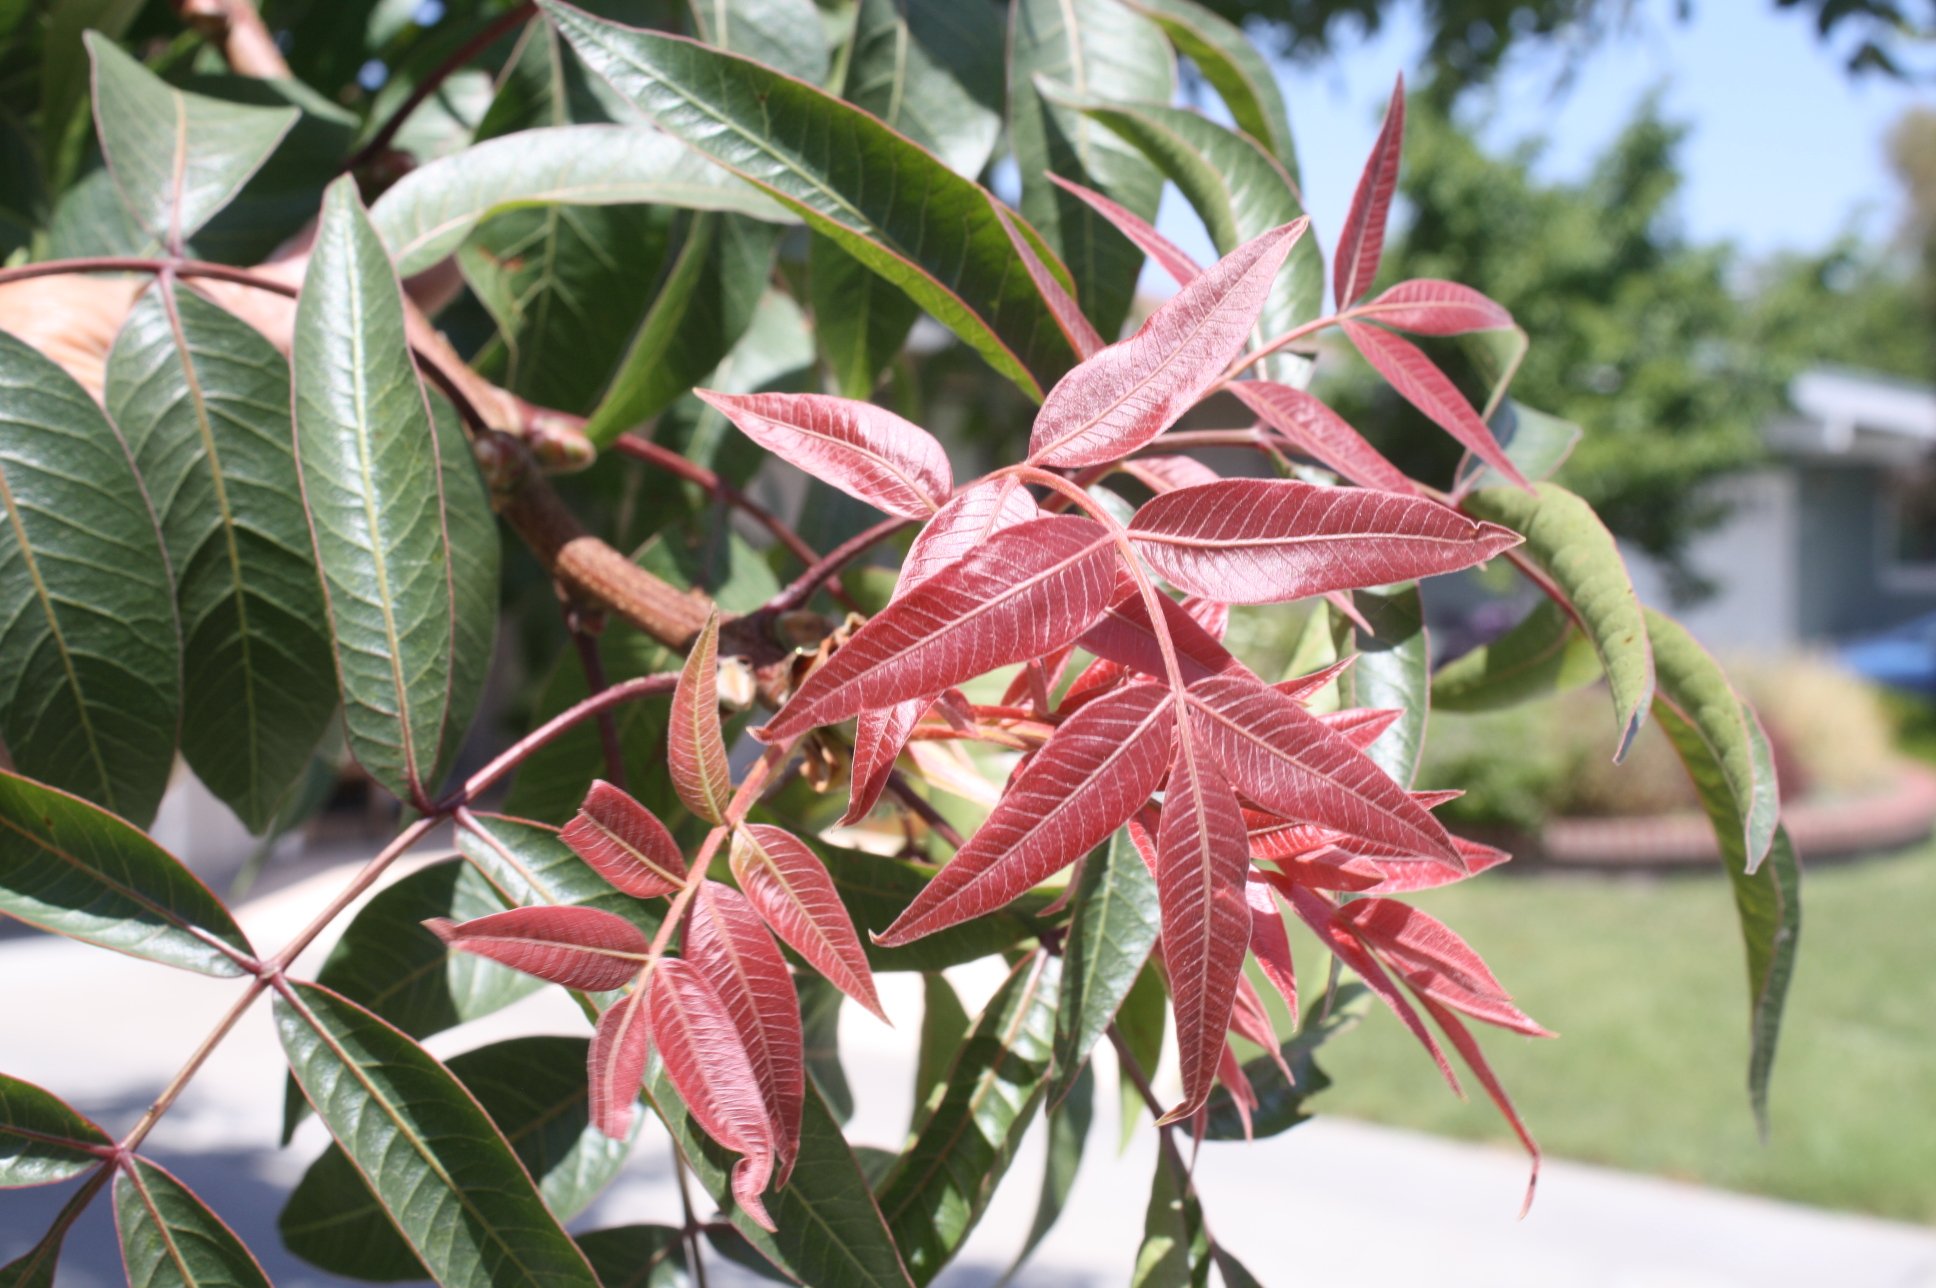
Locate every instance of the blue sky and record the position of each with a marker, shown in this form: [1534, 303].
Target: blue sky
[1785, 150]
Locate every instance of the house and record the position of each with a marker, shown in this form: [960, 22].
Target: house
[1835, 538]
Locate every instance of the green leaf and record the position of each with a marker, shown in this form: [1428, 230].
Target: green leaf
[534, 1089]
[944, 1028]
[72, 868]
[203, 399]
[90, 664]
[932, 70]
[1112, 928]
[1393, 670]
[820, 1035]
[64, 77]
[830, 1231]
[1068, 1132]
[1728, 757]
[1534, 441]
[177, 158]
[861, 321]
[1101, 48]
[1235, 1275]
[529, 865]
[1577, 562]
[938, 1190]
[1141, 1020]
[637, 1256]
[876, 890]
[1234, 66]
[786, 35]
[42, 1140]
[888, 203]
[169, 1238]
[1239, 190]
[1175, 1252]
[445, 1175]
[703, 307]
[1280, 1103]
[430, 211]
[1545, 653]
[407, 605]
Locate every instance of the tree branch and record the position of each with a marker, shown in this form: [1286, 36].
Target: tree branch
[485, 37]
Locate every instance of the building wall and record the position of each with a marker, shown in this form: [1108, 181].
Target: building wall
[1840, 578]
[1751, 561]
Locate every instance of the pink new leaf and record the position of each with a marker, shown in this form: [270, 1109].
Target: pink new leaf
[1250, 1021]
[695, 747]
[1429, 306]
[1132, 391]
[1419, 382]
[1361, 725]
[866, 451]
[1024, 592]
[584, 948]
[1475, 1059]
[1168, 473]
[1167, 254]
[1284, 759]
[1404, 878]
[1271, 943]
[1123, 635]
[1202, 857]
[1262, 541]
[708, 1066]
[730, 945]
[1320, 433]
[1304, 686]
[1076, 329]
[789, 885]
[625, 843]
[1362, 243]
[1434, 961]
[616, 1064]
[1093, 774]
[1243, 1096]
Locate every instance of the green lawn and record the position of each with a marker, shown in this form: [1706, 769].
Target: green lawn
[1644, 982]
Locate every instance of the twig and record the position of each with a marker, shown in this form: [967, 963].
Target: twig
[1165, 1136]
[902, 791]
[695, 1262]
[827, 567]
[624, 691]
[593, 664]
[486, 36]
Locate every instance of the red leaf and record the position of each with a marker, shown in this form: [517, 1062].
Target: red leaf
[1076, 329]
[1123, 635]
[1132, 391]
[1435, 961]
[1434, 799]
[1167, 254]
[1243, 1096]
[1280, 756]
[708, 1066]
[617, 1064]
[1320, 915]
[1303, 686]
[1403, 878]
[1249, 1020]
[1202, 857]
[1264, 541]
[789, 885]
[1361, 725]
[1168, 473]
[695, 748]
[730, 945]
[1406, 368]
[1348, 609]
[625, 843]
[866, 451]
[1320, 433]
[1475, 1059]
[1271, 943]
[584, 948]
[1429, 306]
[1098, 769]
[1363, 241]
[1024, 592]
[961, 526]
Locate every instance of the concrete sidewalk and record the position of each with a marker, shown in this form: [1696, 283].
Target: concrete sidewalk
[1330, 1203]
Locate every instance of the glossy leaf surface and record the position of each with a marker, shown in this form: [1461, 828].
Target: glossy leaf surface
[42, 1140]
[385, 507]
[929, 231]
[1112, 928]
[933, 71]
[1023, 593]
[1234, 66]
[1251, 541]
[1393, 672]
[90, 665]
[170, 1239]
[423, 1145]
[1578, 557]
[789, 885]
[1546, 652]
[876, 890]
[1130, 392]
[1097, 770]
[203, 399]
[177, 158]
[71, 868]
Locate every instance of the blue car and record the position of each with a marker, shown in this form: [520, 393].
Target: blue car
[1902, 657]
